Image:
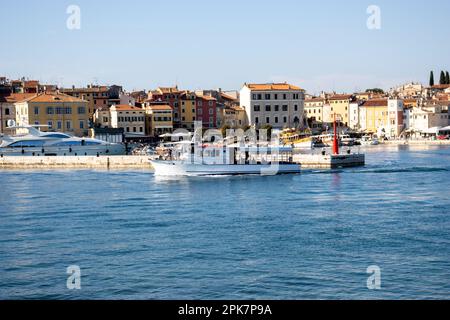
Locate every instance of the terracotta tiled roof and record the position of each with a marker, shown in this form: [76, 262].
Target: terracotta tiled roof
[272, 87]
[124, 107]
[16, 97]
[375, 103]
[208, 98]
[441, 86]
[160, 108]
[166, 90]
[54, 97]
[341, 97]
[227, 97]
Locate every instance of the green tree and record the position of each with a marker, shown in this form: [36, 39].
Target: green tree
[431, 78]
[375, 90]
[442, 79]
[447, 77]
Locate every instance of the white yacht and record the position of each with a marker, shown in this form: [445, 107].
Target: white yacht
[183, 159]
[37, 143]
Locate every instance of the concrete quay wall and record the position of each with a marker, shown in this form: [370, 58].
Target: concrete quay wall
[75, 162]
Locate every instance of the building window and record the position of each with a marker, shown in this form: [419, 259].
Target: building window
[268, 108]
[285, 119]
[68, 125]
[276, 96]
[81, 124]
[259, 96]
[277, 108]
[59, 125]
[256, 120]
[285, 108]
[267, 96]
[211, 111]
[68, 111]
[36, 110]
[257, 108]
[7, 111]
[276, 119]
[296, 108]
[50, 124]
[141, 129]
[267, 120]
[81, 110]
[58, 110]
[50, 110]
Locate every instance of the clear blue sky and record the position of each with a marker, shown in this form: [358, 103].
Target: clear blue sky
[320, 44]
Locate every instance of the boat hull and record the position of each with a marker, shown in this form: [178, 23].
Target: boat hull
[113, 149]
[179, 168]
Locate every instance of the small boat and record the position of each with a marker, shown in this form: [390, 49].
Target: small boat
[38, 143]
[369, 141]
[187, 159]
[347, 141]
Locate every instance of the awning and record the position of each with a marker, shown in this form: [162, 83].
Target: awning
[433, 130]
[444, 129]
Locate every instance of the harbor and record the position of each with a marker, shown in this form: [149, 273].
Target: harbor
[130, 223]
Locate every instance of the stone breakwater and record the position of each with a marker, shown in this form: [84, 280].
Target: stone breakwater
[112, 162]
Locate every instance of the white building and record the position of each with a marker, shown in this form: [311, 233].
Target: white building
[427, 119]
[280, 105]
[353, 114]
[396, 123]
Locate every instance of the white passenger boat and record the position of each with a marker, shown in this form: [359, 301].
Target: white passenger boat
[185, 160]
[38, 143]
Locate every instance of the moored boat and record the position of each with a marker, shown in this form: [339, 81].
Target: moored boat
[38, 143]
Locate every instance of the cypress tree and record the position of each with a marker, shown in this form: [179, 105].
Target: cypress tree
[431, 78]
[447, 76]
[442, 79]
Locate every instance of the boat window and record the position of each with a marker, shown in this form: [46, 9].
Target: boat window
[27, 144]
[67, 144]
[92, 143]
[57, 135]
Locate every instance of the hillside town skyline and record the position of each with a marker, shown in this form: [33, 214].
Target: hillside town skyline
[145, 115]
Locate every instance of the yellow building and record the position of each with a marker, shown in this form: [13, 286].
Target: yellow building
[159, 120]
[314, 112]
[187, 110]
[374, 116]
[58, 112]
[234, 117]
[340, 105]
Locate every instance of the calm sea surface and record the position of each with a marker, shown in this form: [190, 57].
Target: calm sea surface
[308, 236]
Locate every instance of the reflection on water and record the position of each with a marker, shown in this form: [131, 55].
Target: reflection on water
[306, 236]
